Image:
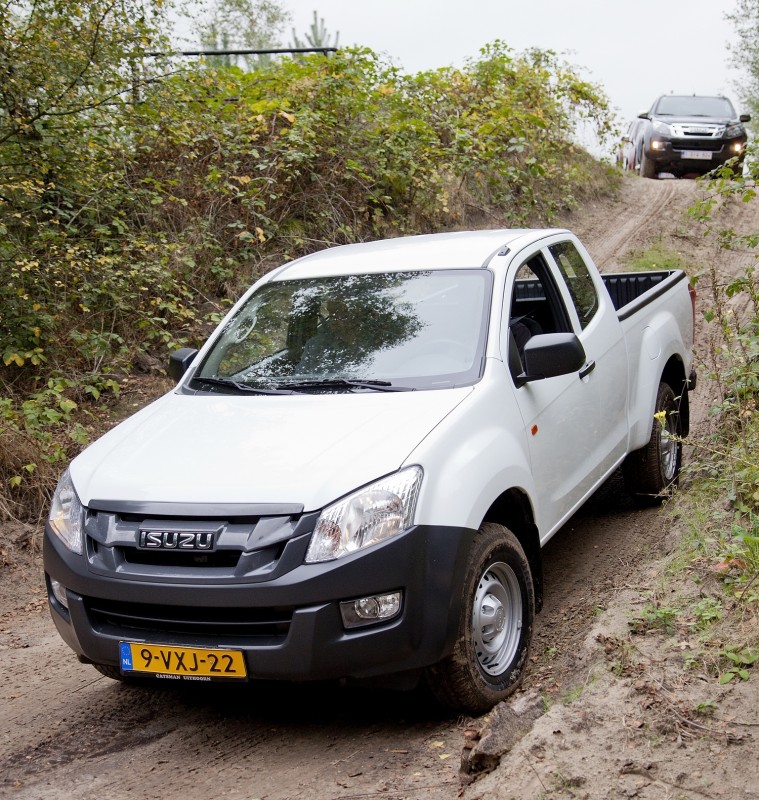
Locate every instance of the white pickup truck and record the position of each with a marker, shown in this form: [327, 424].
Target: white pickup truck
[354, 477]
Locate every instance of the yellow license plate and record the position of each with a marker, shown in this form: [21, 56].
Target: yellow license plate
[189, 663]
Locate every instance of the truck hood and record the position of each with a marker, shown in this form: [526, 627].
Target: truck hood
[297, 449]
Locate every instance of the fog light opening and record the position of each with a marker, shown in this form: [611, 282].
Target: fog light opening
[370, 610]
[59, 593]
[656, 145]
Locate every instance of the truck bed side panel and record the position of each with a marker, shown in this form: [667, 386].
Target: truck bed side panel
[657, 328]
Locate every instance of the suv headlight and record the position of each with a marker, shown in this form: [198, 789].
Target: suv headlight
[734, 130]
[66, 515]
[662, 128]
[377, 512]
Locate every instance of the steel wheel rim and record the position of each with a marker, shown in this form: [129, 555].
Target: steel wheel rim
[497, 618]
[668, 449]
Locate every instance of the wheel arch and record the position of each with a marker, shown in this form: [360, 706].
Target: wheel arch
[674, 375]
[648, 375]
[513, 510]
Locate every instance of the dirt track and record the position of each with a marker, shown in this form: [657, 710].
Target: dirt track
[66, 732]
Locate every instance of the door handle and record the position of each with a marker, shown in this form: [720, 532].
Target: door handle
[587, 369]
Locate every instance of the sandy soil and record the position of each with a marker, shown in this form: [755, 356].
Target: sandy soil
[603, 713]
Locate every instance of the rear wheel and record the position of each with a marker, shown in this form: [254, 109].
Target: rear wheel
[494, 629]
[653, 471]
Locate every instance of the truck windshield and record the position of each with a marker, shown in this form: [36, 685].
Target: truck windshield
[412, 330]
[687, 106]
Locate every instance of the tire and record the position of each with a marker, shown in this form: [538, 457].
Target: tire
[489, 657]
[652, 473]
[647, 166]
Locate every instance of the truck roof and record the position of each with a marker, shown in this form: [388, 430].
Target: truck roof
[409, 253]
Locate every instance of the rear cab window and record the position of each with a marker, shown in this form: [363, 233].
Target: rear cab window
[579, 282]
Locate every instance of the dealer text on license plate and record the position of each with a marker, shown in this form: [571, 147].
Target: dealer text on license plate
[698, 155]
[189, 663]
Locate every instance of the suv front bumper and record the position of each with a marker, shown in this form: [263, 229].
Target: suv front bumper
[682, 156]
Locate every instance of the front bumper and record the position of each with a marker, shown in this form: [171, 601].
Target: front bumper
[287, 622]
[677, 155]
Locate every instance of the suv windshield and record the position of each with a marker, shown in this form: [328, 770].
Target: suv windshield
[687, 106]
[412, 329]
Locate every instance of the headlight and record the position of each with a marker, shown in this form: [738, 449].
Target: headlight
[663, 128]
[66, 514]
[734, 130]
[372, 514]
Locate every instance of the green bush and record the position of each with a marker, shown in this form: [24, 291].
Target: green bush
[727, 462]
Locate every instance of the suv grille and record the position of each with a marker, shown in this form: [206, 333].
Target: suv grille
[706, 145]
[246, 548]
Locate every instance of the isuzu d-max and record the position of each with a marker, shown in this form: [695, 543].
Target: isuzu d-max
[354, 476]
[689, 135]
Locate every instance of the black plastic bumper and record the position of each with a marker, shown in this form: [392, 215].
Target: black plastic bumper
[289, 627]
[670, 157]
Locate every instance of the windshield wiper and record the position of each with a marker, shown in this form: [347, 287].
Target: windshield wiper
[343, 383]
[246, 388]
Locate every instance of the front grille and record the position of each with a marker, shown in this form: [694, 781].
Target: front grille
[127, 620]
[707, 145]
[223, 559]
[242, 547]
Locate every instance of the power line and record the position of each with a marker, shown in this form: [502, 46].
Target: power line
[276, 51]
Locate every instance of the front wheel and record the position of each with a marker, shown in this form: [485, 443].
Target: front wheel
[647, 166]
[653, 471]
[494, 629]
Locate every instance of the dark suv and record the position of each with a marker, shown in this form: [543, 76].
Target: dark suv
[690, 134]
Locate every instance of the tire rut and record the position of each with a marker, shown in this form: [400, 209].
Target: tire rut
[648, 208]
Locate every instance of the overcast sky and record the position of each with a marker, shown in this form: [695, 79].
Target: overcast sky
[634, 50]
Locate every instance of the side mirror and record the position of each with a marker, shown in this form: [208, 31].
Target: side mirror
[643, 115]
[180, 361]
[550, 354]
[745, 117]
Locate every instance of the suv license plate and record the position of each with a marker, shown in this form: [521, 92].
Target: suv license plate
[698, 155]
[188, 663]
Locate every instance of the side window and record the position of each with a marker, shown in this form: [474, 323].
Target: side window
[535, 307]
[578, 279]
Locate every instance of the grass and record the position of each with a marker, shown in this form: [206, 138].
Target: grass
[711, 581]
[659, 256]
